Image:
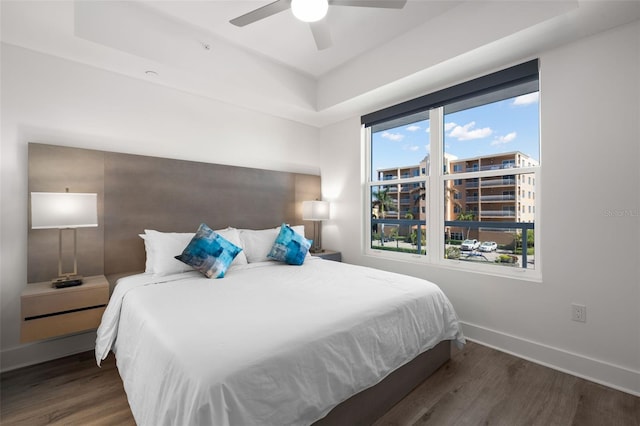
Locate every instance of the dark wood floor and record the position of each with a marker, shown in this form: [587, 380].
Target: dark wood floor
[479, 386]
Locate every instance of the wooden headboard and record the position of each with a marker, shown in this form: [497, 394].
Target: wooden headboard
[139, 192]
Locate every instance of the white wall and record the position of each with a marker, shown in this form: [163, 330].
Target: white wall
[590, 156]
[590, 102]
[51, 100]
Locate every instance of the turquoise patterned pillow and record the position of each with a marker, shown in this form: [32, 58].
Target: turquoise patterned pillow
[209, 253]
[289, 247]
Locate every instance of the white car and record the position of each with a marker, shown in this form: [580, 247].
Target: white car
[469, 245]
[488, 246]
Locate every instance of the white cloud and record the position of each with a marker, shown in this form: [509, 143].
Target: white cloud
[413, 128]
[501, 140]
[467, 132]
[393, 136]
[528, 99]
[449, 126]
[411, 147]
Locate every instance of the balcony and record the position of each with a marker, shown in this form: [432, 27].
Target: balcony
[476, 168]
[402, 242]
[489, 183]
[489, 198]
[498, 213]
[498, 182]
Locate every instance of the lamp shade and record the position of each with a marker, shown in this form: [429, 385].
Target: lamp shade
[309, 10]
[315, 210]
[63, 210]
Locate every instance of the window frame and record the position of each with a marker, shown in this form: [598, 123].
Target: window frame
[434, 181]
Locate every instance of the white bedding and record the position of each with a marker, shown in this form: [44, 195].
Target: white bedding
[269, 344]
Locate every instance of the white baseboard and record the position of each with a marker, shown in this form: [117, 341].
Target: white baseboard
[47, 350]
[604, 373]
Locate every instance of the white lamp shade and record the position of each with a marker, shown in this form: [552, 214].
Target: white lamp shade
[315, 210]
[309, 10]
[63, 210]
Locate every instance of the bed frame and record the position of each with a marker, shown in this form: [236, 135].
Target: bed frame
[140, 192]
[366, 407]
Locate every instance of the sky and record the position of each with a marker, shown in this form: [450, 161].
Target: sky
[505, 126]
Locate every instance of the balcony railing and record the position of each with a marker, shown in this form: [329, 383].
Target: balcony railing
[477, 168]
[418, 225]
[491, 182]
[483, 198]
[498, 213]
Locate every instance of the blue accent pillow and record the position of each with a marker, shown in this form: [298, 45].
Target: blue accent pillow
[209, 253]
[290, 247]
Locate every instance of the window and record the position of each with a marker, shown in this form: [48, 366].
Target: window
[477, 148]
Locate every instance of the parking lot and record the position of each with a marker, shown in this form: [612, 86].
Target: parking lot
[473, 256]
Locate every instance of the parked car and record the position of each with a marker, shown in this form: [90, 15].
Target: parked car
[488, 246]
[469, 245]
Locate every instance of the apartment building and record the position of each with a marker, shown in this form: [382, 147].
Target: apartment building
[507, 198]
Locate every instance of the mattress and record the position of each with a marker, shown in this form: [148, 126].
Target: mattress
[270, 343]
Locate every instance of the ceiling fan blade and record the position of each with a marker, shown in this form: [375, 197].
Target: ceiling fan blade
[261, 13]
[382, 4]
[321, 34]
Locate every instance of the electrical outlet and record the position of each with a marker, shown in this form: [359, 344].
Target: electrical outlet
[579, 313]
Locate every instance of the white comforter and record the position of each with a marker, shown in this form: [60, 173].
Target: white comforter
[269, 344]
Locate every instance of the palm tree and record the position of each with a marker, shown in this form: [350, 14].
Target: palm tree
[384, 201]
[467, 216]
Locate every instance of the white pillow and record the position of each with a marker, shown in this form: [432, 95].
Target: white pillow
[233, 236]
[257, 244]
[162, 247]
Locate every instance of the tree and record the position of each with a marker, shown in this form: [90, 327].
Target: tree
[467, 216]
[384, 202]
[530, 240]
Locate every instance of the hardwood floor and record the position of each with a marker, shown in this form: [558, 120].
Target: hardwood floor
[482, 386]
[479, 386]
[67, 391]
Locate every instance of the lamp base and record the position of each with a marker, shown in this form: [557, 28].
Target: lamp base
[67, 281]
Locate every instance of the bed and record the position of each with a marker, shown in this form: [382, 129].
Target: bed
[322, 343]
[270, 343]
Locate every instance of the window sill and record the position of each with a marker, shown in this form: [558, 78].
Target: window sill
[515, 273]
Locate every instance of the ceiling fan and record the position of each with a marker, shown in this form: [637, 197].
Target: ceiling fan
[312, 11]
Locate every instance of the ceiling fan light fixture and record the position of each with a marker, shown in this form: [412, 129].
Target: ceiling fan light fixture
[309, 10]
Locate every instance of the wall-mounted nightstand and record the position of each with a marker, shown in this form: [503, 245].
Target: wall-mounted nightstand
[329, 255]
[51, 312]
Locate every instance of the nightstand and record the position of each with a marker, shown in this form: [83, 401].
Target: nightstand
[329, 255]
[50, 312]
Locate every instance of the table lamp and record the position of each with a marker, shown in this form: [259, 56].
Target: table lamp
[315, 211]
[64, 211]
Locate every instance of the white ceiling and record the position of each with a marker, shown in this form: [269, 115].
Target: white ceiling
[379, 56]
[281, 37]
